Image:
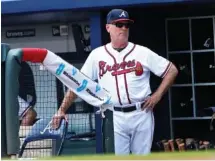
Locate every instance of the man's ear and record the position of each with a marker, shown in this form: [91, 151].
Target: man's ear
[108, 27]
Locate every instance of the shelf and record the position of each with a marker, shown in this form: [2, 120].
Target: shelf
[179, 52]
[198, 128]
[183, 64]
[191, 51]
[191, 18]
[181, 102]
[204, 67]
[204, 98]
[202, 51]
[191, 118]
[182, 85]
[204, 84]
[195, 84]
[183, 37]
[202, 34]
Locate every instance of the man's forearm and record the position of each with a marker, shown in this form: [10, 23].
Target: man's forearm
[67, 101]
[167, 81]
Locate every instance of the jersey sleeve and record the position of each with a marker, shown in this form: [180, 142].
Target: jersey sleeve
[89, 67]
[158, 64]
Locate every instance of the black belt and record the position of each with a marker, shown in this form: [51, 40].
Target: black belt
[126, 109]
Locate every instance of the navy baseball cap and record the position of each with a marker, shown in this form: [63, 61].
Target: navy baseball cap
[117, 15]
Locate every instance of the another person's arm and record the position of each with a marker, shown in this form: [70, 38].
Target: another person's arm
[61, 113]
[67, 101]
[89, 70]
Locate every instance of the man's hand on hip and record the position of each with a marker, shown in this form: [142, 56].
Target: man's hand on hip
[151, 101]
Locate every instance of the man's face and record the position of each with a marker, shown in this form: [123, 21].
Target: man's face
[119, 31]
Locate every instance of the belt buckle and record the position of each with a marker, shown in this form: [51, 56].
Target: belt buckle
[138, 106]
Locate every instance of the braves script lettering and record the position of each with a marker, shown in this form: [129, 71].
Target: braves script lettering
[120, 68]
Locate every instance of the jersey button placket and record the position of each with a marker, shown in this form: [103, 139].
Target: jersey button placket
[122, 88]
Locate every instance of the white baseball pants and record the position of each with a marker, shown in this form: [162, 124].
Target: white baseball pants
[133, 132]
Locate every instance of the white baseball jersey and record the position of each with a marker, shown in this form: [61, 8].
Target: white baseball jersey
[125, 74]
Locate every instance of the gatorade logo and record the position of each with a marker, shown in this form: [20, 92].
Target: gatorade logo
[98, 88]
[74, 71]
[108, 101]
[83, 85]
[60, 69]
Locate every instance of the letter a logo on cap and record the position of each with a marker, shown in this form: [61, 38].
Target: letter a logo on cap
[122, 14]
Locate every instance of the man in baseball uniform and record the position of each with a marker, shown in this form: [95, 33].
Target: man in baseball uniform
[123, 68]
[27, 113]
[27, 95]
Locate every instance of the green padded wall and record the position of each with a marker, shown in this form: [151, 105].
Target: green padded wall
[4, 50]
[12, 69]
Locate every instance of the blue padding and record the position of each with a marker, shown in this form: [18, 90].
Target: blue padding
[21, 6]
[95, 30]
[42, 130]
[96, 41]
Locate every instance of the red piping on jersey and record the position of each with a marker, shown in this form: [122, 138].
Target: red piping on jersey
[117, 87]
[125, 79]
[35, 55]
[166, 70]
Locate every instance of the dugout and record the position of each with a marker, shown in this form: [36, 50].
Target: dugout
[154, 24]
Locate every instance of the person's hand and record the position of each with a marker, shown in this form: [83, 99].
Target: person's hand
[57, 119]
[151, 101]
